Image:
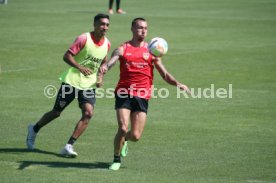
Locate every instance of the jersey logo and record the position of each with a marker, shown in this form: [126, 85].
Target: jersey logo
[146, 55]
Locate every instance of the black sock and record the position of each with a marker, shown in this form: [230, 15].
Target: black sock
[117, 159]
[110, 4]
[36, 128]
[118, 4]
[72, 140]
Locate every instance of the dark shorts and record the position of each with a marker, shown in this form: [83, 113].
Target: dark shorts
[132, 103]
[68, 93]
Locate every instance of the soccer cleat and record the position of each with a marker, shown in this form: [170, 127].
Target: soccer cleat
[110, 11]
[124, 150]
[68, 151]
[120, 11]
[30, 141]
[115, 166]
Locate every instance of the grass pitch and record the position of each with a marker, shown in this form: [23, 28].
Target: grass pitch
[185, 139]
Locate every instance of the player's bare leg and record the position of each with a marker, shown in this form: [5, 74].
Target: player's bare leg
[122, 118]
[87, 113]
[138, 121]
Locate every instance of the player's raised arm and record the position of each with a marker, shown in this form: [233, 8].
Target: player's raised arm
[114, 57]
[167, 76]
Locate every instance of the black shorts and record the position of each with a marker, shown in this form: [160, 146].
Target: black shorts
[132, 103]
[68, 93]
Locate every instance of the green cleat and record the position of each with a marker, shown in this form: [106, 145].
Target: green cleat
[124, 150]
[115, 166]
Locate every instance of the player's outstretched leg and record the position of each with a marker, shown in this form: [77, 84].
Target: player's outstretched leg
[30, 140]
[34, 129]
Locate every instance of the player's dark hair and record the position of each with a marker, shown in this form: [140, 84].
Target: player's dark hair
[136, 20]
[99, 16]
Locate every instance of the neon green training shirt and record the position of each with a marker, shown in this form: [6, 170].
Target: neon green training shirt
[90, 56]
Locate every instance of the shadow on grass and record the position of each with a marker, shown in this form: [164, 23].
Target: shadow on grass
[25, 164]
[24, 150]
[54, 164]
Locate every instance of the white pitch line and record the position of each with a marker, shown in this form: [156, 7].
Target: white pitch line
[17, 70]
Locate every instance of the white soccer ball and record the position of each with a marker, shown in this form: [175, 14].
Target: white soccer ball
[158, 46]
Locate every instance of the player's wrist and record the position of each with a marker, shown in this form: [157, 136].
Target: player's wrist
[78, 67]
[107, 66]
[178, 84]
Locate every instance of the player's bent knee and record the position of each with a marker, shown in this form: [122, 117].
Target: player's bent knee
[123, 130]
[136, 136]
[88, 114]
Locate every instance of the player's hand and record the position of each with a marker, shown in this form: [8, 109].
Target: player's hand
[103, 69]
[99, 82]
[85, 71]
[184, 87]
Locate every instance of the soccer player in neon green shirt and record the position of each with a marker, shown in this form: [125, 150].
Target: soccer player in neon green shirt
[84, 56]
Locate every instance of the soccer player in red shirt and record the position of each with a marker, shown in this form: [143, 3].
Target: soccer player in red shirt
[134, 87]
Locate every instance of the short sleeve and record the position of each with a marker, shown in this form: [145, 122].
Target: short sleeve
[78, 44]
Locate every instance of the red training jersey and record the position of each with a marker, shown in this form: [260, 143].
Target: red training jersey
[136, 71]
